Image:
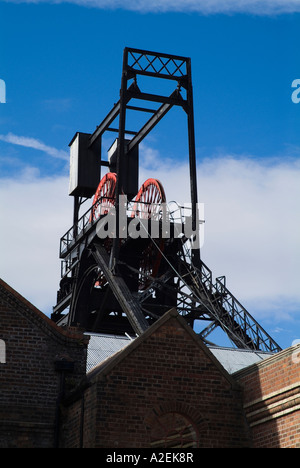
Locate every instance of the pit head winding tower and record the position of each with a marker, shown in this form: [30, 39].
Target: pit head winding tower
[131, 256]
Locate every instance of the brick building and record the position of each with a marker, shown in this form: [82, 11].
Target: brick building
[163, 389]
[39, 364]
[272, 399]
[163, 380]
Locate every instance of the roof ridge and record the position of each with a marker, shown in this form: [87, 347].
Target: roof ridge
[109, 363]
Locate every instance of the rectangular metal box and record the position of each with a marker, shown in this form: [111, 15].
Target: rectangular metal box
[85, 169]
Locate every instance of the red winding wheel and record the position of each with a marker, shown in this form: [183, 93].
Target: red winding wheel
[148, 205]
[148, 200]
[104, 198]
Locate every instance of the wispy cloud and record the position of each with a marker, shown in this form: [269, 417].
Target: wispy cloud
[256, 7]
[34, 144]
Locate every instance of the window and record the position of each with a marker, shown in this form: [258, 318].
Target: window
[2, 352]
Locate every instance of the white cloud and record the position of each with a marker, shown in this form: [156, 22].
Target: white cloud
[35, 213]
[252, 229]
[252, 226]
[35, 144]
[257, 7]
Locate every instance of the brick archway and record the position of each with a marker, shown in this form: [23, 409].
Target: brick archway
[173, 430]
[174, 425]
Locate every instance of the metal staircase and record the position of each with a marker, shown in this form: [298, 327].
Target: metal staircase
[199, 299]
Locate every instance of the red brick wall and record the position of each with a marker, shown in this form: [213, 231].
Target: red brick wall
[29, 383]
[165, 371]
[78, 427]
[272, 400]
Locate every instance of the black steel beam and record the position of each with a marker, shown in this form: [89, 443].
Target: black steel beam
[129, 304]
[111, 116]
[155, 64]
[127, 132]
[174, 101]
[158, 75]
[141, 109]
[159, 114]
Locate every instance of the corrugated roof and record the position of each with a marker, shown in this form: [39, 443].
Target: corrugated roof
[103, 346]
[233, 359]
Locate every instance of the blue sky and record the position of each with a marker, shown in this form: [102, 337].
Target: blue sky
[61, 62]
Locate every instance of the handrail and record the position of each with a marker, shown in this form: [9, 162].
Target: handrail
[244, 319]
[226, 311]
[85, 223]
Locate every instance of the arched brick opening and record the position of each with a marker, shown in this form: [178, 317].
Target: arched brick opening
[174, 425]
[174, 430]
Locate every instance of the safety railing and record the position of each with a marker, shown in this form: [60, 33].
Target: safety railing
[243, 321]
[224, 308]
[127, 211]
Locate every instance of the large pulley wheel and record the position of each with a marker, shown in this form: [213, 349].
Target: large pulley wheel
[104, 198]
[148, 206]
[149, 199]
